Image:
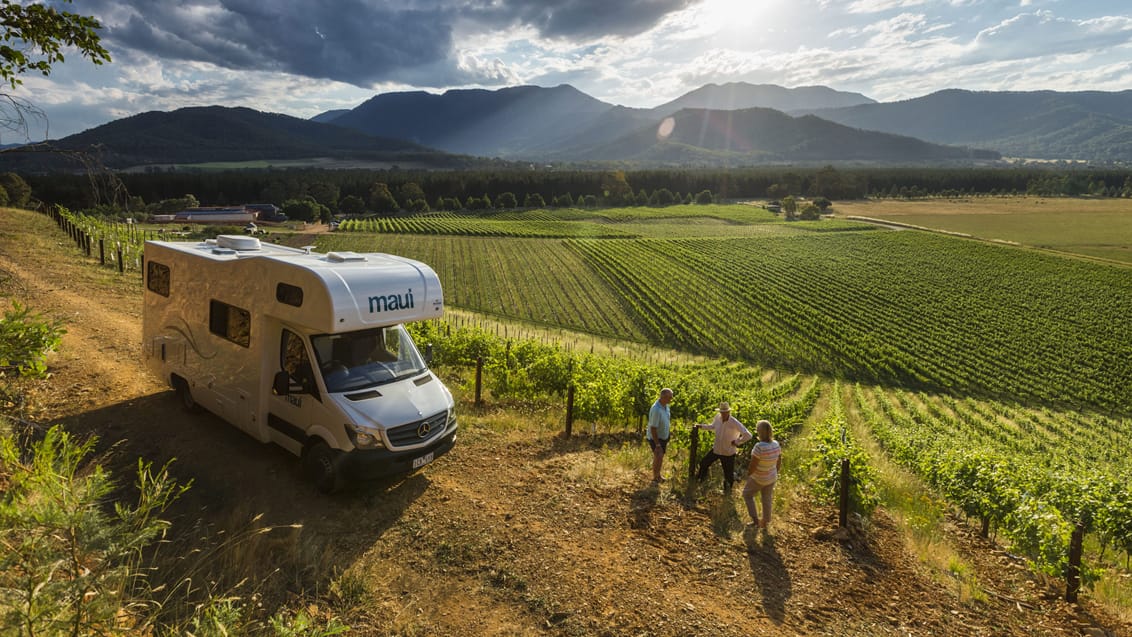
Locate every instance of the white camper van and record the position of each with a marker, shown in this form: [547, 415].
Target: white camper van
[302, 349]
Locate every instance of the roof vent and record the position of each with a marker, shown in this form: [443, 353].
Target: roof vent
[237, 242]
[342, 257]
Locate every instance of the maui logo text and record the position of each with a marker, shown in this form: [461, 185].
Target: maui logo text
[391, 302]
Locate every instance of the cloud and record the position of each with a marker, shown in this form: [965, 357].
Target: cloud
[362, 42]
[579, 19]
[1041, 33]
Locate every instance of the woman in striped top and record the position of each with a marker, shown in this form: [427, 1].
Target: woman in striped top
[762, 473]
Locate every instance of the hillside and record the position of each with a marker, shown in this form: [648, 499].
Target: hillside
[553, 537]
[737, 96]
[215, 133]
[508, 122]
[1088, 125]
[761, 135]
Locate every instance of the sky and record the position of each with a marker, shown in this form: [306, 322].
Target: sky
[305, 57]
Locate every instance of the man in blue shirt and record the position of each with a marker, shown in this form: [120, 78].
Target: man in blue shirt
[660, 424]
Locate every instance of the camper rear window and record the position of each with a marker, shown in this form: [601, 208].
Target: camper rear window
[289, 294]
[157, 278]
[230, 322]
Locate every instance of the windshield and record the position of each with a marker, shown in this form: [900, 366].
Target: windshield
[356, 360]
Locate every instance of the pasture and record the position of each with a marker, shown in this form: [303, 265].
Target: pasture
[1099, 228]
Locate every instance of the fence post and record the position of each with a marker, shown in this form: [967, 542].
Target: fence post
[479, 379]
[121, 263]
[101, 251]
[1073, 572]
[843, 508]
[693, 450]
[569, 411]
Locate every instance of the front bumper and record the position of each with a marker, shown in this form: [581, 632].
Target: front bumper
[370, 464]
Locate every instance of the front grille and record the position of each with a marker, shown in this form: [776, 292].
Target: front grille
[407, 435]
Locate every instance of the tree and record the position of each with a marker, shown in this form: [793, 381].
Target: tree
[661, 197]
[506, 200]
[809, 212]
[534, 200]
[409, 191]
[35, 37]
[789, 207]
[302, 209]
[381, 200]
[352, 205]
[616, 189]
[19, 192]
[167, 206]
[704, 197]
[324, 193]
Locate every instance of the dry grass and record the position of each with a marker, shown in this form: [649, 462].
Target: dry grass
[1098, 228]
[919, 512]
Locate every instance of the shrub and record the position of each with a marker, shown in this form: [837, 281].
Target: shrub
[26, 339]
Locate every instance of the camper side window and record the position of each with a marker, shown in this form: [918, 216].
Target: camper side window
[230, 322]
[289, 294]
[157, 278]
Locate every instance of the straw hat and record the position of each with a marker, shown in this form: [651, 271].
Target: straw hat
[724, 408]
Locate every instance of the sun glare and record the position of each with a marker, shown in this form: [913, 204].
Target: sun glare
[731, 15]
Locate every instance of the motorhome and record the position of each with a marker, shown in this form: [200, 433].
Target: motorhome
[301, 349]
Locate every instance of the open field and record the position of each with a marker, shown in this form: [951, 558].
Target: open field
[1091, 227]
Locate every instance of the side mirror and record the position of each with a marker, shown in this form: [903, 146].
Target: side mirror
[428, 354]
[281, 384]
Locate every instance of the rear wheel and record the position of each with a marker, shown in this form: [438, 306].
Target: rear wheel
[321, 467]
[185, 395]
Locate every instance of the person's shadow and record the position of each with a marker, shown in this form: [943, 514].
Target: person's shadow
[641, 506]
[769, 572]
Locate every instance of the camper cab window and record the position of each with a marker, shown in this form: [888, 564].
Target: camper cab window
[356, 360]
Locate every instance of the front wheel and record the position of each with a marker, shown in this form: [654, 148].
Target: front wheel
[321, 467]
[185, 395]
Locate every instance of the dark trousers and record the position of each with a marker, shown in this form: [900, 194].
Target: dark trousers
[728, 463]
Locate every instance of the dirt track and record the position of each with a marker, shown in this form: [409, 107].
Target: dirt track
[513, 533]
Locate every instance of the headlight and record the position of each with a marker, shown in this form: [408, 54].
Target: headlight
[363, 439]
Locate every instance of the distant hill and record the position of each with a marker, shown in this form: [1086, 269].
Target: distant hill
[509, 122]
[329, 116]
[740, 95]
[759, 135]
[536, 123]
[1087, 125]
[217, 133]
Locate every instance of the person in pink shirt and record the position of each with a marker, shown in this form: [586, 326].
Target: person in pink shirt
[762, 473]
[729, 435]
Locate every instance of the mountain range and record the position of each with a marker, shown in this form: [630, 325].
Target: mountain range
[715, 125]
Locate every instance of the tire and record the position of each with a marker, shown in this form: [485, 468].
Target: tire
[321, 467]
[185, 395]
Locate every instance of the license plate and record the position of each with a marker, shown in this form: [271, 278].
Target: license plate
[423, 460]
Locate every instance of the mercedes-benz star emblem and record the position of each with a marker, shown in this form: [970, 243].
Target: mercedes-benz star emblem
[423, 430]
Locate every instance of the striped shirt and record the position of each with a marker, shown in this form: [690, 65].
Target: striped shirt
[764, 462]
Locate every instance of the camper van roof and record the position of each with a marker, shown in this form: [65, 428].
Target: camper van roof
[364, 289]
